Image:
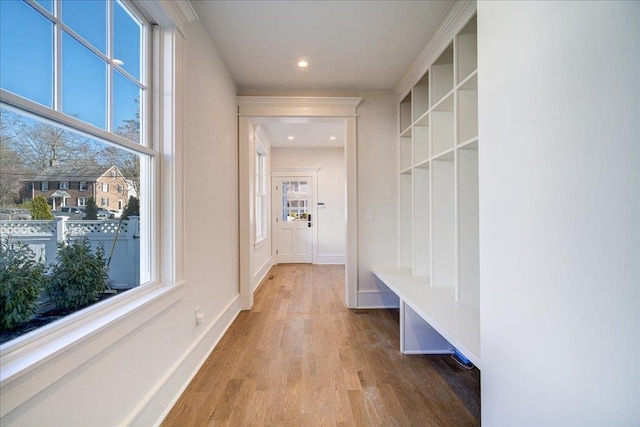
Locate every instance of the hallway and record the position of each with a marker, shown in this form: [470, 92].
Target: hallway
[299, 357]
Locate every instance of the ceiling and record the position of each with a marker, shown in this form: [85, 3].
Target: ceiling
[307, 132]
[350, 46]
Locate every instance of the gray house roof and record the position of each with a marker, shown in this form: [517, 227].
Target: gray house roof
[72, 173]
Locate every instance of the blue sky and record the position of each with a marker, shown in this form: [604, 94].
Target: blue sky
[27, 62]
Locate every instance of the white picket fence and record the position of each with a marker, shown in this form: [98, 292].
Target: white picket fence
[120, 240]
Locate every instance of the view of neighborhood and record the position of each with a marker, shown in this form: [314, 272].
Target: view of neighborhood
[65, 167]
[69, 216]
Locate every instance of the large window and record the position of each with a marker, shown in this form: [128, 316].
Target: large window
[75, 93]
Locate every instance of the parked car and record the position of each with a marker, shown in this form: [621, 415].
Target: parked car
[104, 214]
[14, 214]
[115, 214]
[73, 212]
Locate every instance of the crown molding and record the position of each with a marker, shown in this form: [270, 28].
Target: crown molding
[297, 106]
[168, 13]
[184, 10]
[457, 16]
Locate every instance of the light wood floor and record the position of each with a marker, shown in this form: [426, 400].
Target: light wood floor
[299, 357]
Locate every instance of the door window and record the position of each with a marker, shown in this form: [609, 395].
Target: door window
[295, 201]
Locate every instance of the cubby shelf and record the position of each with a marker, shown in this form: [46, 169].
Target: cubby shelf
[438, 278]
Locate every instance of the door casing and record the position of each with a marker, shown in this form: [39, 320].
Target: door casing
[250, 110]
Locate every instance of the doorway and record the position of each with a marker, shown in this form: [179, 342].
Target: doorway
[251, 111]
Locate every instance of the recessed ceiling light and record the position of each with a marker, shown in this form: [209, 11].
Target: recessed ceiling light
[291, 137]
[333, 138]
[303, 64]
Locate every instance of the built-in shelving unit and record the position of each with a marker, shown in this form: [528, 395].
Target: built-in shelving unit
[438, 277]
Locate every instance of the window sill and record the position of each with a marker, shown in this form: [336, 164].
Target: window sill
[260, 243]
[25, 354]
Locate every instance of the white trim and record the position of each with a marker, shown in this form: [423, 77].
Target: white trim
[168, 13]
[250, 109]
[155, 406]
[58, 352]
[457, 16]
[258, 278]
[330, 259]
[295, 172]
[297, 106]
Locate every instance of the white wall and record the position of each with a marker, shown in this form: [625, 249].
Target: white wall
[559, 118]
[136, 378]
[377, 192]
[331, 191]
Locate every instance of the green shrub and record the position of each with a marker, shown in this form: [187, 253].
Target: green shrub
[132, 208]
[91, 210]
[21, 280]
[40, 210]
[79, 276]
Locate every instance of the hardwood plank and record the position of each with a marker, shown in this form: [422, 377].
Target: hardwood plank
[299, 357]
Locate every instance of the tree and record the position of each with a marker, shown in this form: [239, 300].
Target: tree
[11, 166]
[132, 208]
[40, 209]
[11, 170]
[91, 210]
[41, 145]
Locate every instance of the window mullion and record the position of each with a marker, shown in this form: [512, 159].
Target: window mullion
[109, 96]
[57, 57]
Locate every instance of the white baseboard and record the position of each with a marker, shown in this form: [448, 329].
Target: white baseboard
[330, 259]
[160, 400]
[378, 299]
[259, 276]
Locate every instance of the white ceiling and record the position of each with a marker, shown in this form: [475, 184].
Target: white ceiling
[350, 46]
[307, 132]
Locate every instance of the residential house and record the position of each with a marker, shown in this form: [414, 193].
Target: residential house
[64, 185]
[559, 208]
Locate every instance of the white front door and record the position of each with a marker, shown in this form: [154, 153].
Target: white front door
[293, 207]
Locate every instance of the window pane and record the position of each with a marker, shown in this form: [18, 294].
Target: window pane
[126, 107]
[77, 161]
[47, 4]
[89, 20]
[26, 52]
[84, 83]
[126, 40]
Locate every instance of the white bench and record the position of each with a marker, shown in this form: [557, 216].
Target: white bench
[431, 320]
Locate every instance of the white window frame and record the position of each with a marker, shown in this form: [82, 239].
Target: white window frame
[44, 186]
[82, 201]
[105, 187]
[104, 201]
[63, 185]
[261, 189]
[82, 187]
[35, 349]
